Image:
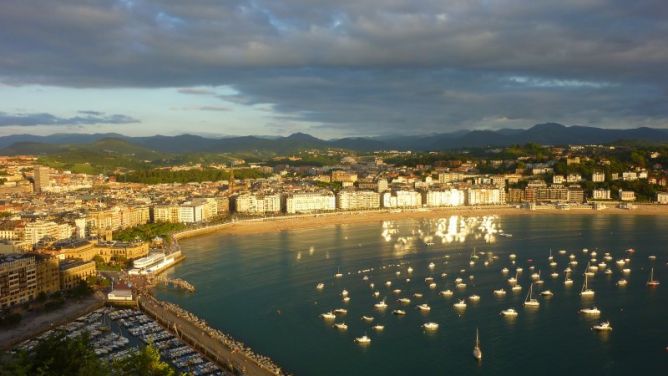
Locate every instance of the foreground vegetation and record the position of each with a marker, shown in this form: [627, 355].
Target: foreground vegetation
[58, 355]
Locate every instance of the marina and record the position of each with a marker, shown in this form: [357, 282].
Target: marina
[277, 294]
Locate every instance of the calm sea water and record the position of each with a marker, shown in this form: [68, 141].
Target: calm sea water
[261, 289]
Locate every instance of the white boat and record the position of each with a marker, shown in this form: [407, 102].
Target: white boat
[388, 283]
[338, 273]
[404, 301]
[622, 282]
[519, 270]
[340, 311]
[474, 298]
[458, 280]
[424, 307]
[546, 293]
[365, 278]
[550, 256]
[328, 316]
[432, 265]
[590, 311]
[510, 312]
[367, 318]
[418, 295]
[652, 257]
[432, 285]
[608, 271]
[554, 275]
[652, 282]
[363, 340]
[620, 262]
[477, 353]
[512, 256]
[378, 327]
[603, 327]
[410, 269]
[505, 235]
[430, 326]
[346, 299]
[446, 293]
[461, 285]
[505, 270]
[341, 326]
[568, 281]
[344, 293]
[320, 286]
[530, 301]
[460, 304]
[586, 291]
[562, 251]
[380, 305]
[517, 288]
[376, 294]
[396, 291]
[399, 312]
[500, 292]
[626, 270]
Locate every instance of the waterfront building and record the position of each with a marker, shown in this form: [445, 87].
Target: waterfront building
[515, 195]
[309, 202]
[484, 196]
[598, 177]
[627, 195]
[446, 197]
[191, 212]
[402, 199]
[18, 279]
[72, 272]
[248, 203]
[662, 197]
[575, 195]
[121, 250]
[601, 194]
[166, 213]
[133, 216]
[357, 200]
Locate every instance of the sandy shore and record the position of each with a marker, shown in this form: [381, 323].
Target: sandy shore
[312, 221]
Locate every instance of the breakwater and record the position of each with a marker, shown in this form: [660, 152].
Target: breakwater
[219, 347]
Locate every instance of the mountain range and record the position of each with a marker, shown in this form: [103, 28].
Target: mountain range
[547, 134]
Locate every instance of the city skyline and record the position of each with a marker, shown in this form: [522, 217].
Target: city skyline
[331, 70]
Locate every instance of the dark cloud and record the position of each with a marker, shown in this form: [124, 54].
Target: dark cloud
[373, 66]
[90, 118]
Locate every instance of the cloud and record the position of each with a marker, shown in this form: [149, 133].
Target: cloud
[89, 118]
[373, 66]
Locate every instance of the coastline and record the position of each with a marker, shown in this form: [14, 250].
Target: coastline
[303, 221]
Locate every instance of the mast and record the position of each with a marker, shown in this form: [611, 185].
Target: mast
[651, 275]
[477, 339]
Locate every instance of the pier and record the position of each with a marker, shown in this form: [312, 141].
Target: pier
[176, 282]
[219, 347]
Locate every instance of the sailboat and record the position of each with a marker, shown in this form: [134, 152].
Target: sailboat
[338, 273]
[652, 282]
[568, 281]
[477, 353]
[585, 290]
[530, 301]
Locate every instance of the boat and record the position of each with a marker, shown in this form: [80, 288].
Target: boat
[505, 270]
[388, 283]
[554, 275]
[328, 315]
[474, 298]
[562, 251]
[622, 282]
[517, 288]
[410, 269]
[380, 305]
[608, 271]
[346, 299]
[620, 262]
[530, 301]
[550, 256]
[154, 263]
[363, 340]
[399, 312]
[340, 311]
[367, 318]
[626, 270]
[460, 304]
[378, 327]
[591, 311]
[586, 291]
[603, 327]
[512, 256]
[458, 280]
[424, 307]
[344, 293]
[341, 326]
[396, 291]
[652, 282]
[432, 265]
[505, 234]
[652, 257]
[477, 353]
[519, 270]
[418, 295]
[338, 273]
[404, 301]
[430, 326]
[510, 312]
[320, 286]
[432, 285]
[568, 281]
[500, 292]
[446, 293]
[376, 294]
[461, 285]
[546, 293]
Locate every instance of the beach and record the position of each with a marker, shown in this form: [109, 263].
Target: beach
[284, 223]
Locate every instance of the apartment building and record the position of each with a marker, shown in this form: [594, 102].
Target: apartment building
[445, 197]
[357, 200]
[248, 203]
[601, 194]
[402, 199]
[309, 202]
[485, 196]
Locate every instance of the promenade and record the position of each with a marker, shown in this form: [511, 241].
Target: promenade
[218, 347]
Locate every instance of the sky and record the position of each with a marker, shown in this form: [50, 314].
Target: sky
[329, 68]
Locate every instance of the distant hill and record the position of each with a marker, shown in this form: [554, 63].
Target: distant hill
[153, 147]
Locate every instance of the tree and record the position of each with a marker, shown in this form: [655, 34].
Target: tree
[143, 362]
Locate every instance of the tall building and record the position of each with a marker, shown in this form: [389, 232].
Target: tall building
[446, 197]
[357, 200]
[309, 202]
[18, 279]
[402, 199]
[41, 178]
[257, 204]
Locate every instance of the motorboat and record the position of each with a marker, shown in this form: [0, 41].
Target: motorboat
[510, 312]
[341, 326]
[328, 315]
[430, 326]
[603, 327]
[446, 293]
[320, 286]
[460, 304]
[424, 307]
[364, 340]
[474, 298]
[367, 318]
[590, 311]
[500, 292]
[399, 312]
